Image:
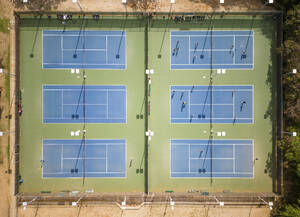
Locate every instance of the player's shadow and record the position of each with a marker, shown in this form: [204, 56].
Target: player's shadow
[41, 5]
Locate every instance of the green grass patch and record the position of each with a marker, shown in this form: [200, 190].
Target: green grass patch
[4, 24]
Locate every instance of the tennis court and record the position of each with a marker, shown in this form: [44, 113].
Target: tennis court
[84, 49]
[99, 158]
[181, 127]
[217, 158]
[212, 49]
[219, 104]
[76, 103]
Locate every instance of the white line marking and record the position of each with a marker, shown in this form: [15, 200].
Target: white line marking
[199, 50]
[94, 144]
[210, 104]
[49, 35]
[233, 158]
[62, 103]
[106, 150]
[86, 158]
[92, 118]
[81, 49]
[62, 158]
[222, 90]
[107, 104]
[84, 104]
[106, 49]
[189, 50]
[189, 110]
[189, 157]
[209, 158]
[215, 144]
[69, 89]
[96, 64]
[234, 50]
[86, 172]
[205, 118]
[233, 104]
[61, 47]
[209, 172]
[186, 64]
[204, 36]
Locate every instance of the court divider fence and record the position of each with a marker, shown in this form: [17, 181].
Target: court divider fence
[30, 18]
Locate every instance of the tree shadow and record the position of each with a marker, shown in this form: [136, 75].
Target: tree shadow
[269, 165]
[272, 167]
[42, 5]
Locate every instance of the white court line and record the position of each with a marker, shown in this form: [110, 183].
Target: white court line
[233, 159]
[212, 107]
[211, 104]
[62, 103]
[209, 172]
[70, 89]
[234, 51]
[81, 49]
[187, 64]
[227, 50]
[189, 50]
[209, 158]
[189, 146]
[94, 144]
[61, 47]
[106, 150]
[215, 144]
[86, 158]
[206, 118]
[83, 104]
[85, 172]
[88, 118]
[106, 46]
[204, 36]
[49, 35]
[107, 104]
[189, 110]
[222, 90]
[233, 104]
[62, 158]
[96, 64]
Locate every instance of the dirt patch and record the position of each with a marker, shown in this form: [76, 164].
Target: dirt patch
[4, 127]
[6, 10]
[140, 5]
[151, 211]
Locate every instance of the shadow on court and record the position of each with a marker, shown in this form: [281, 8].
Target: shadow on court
[35, 36]
[269, 165]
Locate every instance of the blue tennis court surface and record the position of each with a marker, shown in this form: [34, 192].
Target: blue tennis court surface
[229, 49]
[84, 49]
[229, 104]
[103, 104]
[227, 159]
[100, 158]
